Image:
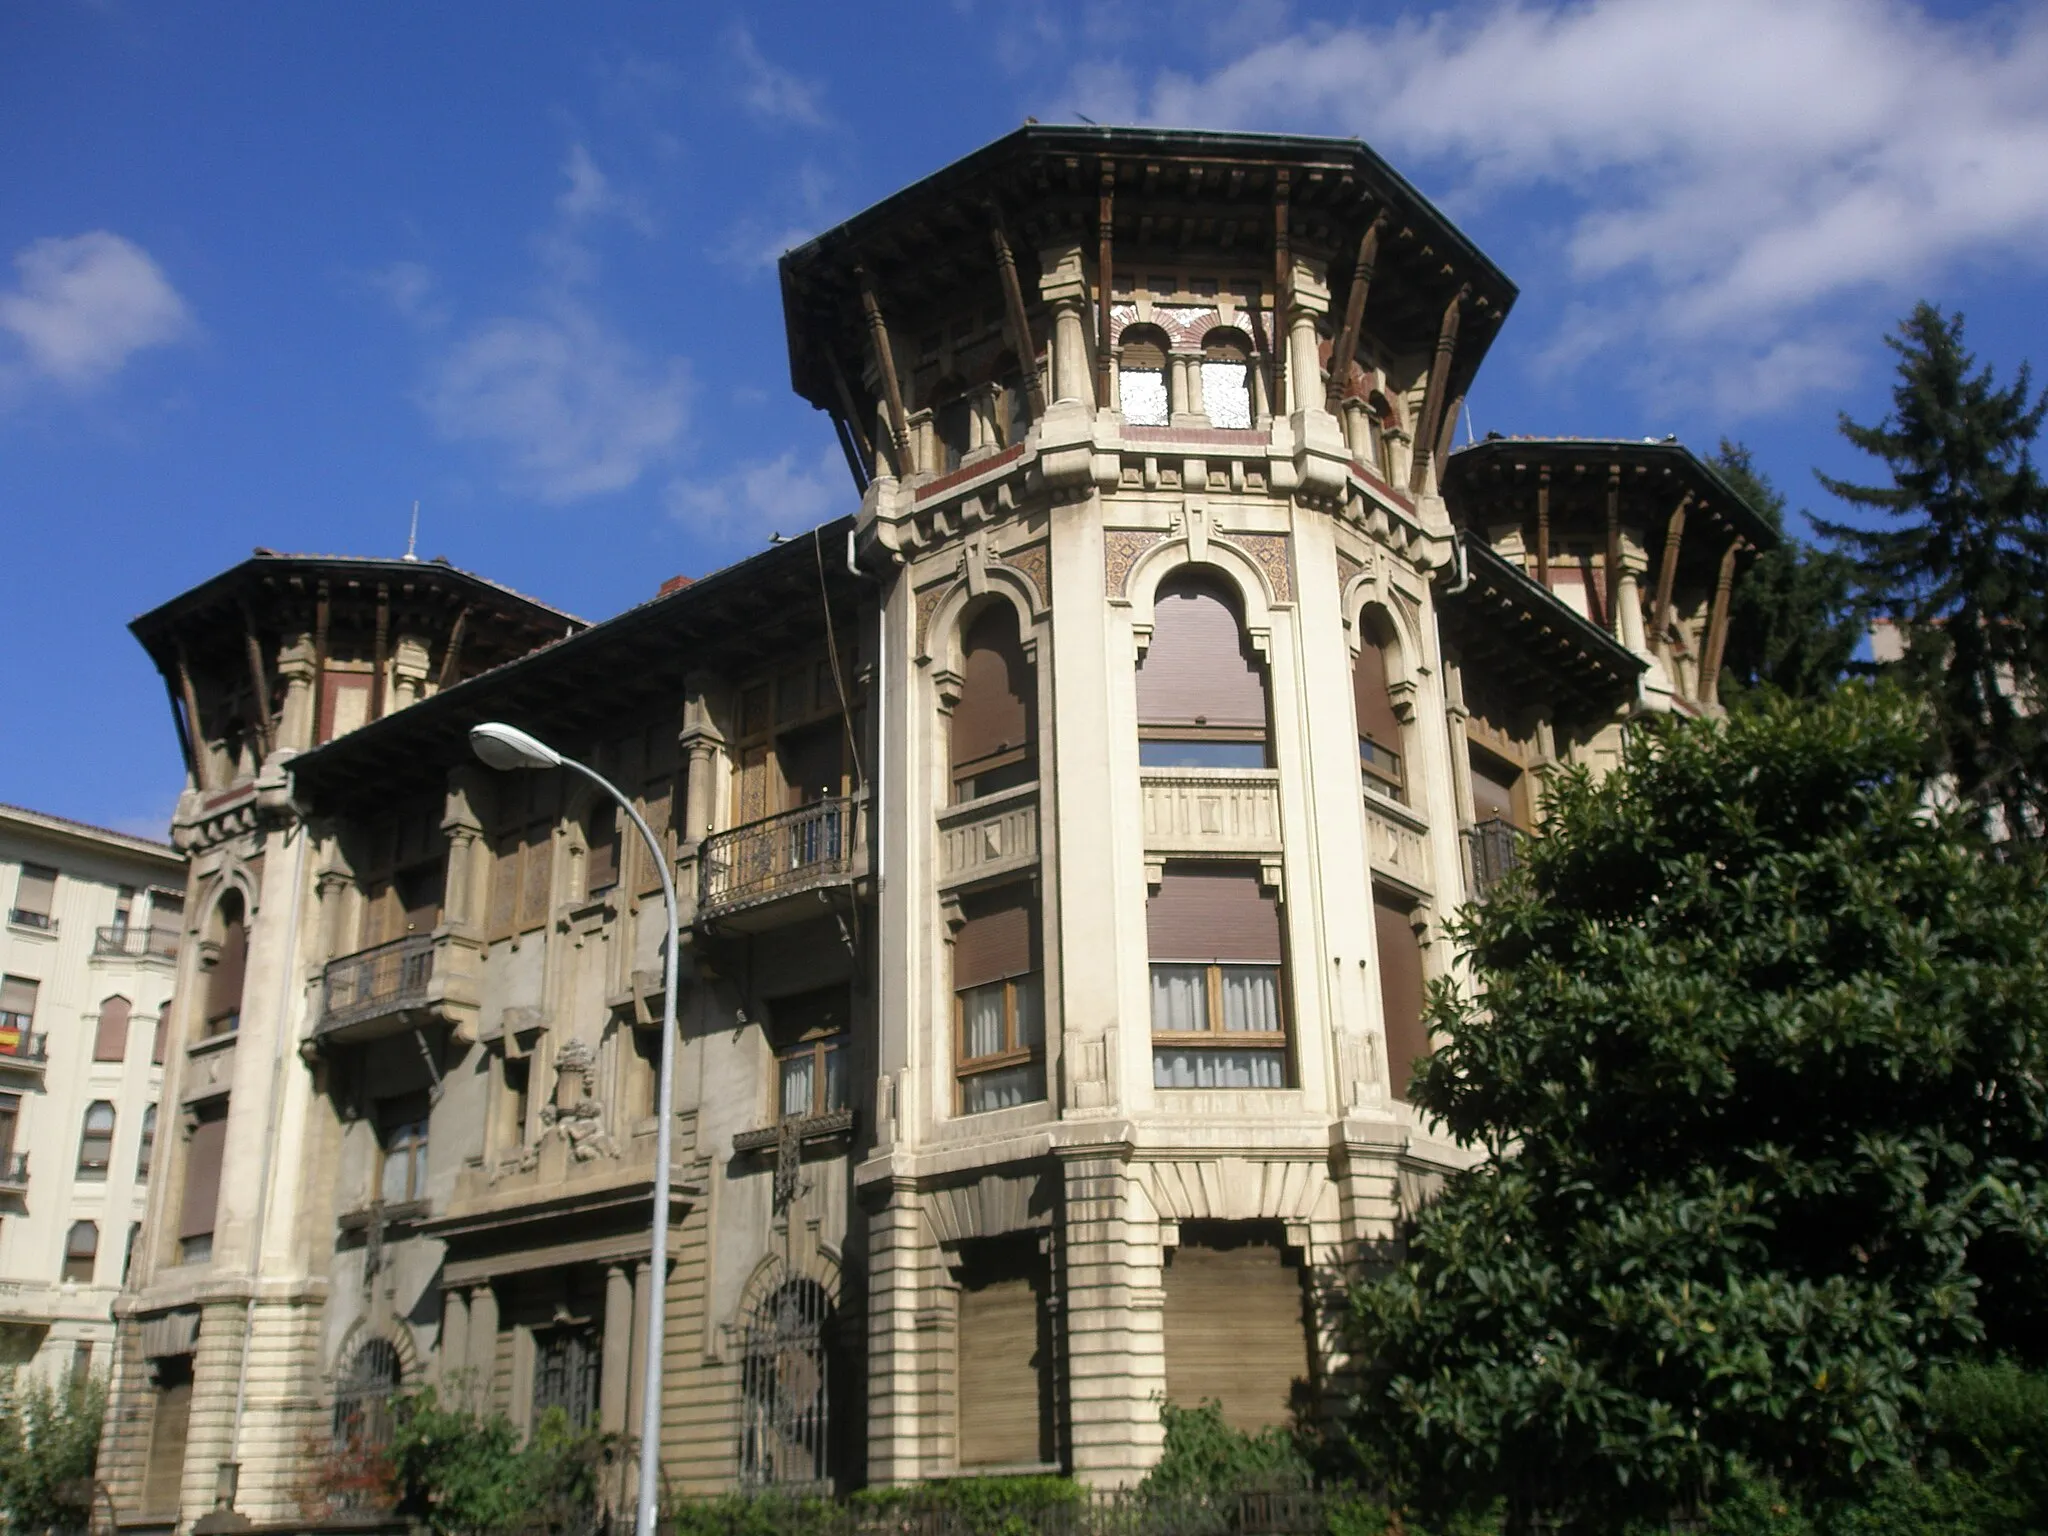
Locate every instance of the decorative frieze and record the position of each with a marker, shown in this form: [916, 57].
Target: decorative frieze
[1199, 812]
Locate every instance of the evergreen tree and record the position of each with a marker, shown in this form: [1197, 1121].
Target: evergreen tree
[1753, 1056]
[1963, 570]
[1794, 623]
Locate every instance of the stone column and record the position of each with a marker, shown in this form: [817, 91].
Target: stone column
[1064, 286]
[1628, 598]
[409, 668]
[615, 1375]
[1115, 1313]
[636, 1379]
[897, 1261]
[482, 1354]
[460, 903]
[454, 1351]
[1304, 367]
[296, 668]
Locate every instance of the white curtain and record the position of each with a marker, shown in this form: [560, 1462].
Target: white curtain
[1251, 999]
[797, 1074]
[1180, 999]
[1199, 1067]
[1142, 393]
[982, 1008]
[1227, 394]
[1024, 1084]
[1030, 1010]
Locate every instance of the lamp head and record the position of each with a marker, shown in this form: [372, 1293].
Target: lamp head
[506, 746]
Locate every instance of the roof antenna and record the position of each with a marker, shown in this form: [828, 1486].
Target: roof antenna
[1471, 437]
[412, 539]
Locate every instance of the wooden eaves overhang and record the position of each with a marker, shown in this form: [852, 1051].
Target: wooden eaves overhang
[584, 687]
[1503, 625]
[1145, 195]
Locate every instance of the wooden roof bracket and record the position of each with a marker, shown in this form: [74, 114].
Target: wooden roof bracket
[321, 606]
[1717, 626]
[259, 682]
[451, 658]
[885, 363]
[1354, 311]
[1020, 319]
[382, 652]
[1667, 577]
[1283, 290]
[1612, 559]
[1105, 218]
[852, 435]
[202, 774]
[1543, 527]
[1433, 394]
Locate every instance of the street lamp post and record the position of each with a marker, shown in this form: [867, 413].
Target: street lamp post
[506, 747]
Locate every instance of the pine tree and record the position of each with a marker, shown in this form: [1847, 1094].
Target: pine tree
[1795, 622]
[1963, 570]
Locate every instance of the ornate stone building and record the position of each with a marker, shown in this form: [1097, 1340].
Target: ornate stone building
[1064, 841]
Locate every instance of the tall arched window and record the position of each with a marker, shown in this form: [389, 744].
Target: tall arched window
[1227, 378]
[110, 1039]
[995, 724]
[96, 1141]
[81, 1248]
[787, 1387]
[1201, 689]
[224, 981]
[1381, 759]
[1141, 376]
[145, 1152]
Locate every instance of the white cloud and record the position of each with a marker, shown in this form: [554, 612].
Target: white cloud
[85, 305]
[408, 286]
[1724, 168]
[771, 92]
[576, 410]
[779, 495]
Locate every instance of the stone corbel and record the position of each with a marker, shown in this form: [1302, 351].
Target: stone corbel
[1269, 874]
[946, 684]
[1401, 693]
[1155, 872]
[975, 561]
[1195, 527]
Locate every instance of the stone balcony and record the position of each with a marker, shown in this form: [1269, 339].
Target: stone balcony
[387, 989]
[1397, 844]
[986, 838]
[1202, 813]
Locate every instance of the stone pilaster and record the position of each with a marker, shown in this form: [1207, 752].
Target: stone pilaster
[1114, 1312]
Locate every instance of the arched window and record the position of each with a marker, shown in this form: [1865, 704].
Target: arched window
[110, 1039]
[224, 981]
[1227, 378]
[362, 1398]
[96, 1141]
[1141, 376]
[1201, 689]
[81, 1248]
[146, 1151]
[1381, 759]
[786, 1388]
[160, 1041]
[995, 724]
[1403, 993]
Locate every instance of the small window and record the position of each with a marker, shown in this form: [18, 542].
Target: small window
[160, 1041]
[1141, 376]
[17, 1015]
[812, 1037]
[96, 1141]
[1201, 690]
[999, 1001]
[202, 1184]
[81, 1249]
[402, 1144]
[1218, 999]
[362, 1398]
[1227, 378]
[517, 1101]
[145, 1151]
[35, 897]
[1380, 756]
[1013, 403]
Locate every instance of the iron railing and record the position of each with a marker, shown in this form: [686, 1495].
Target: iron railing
[136, 942]
[1495, 846]
[18, 1044]
[378, 980]
[791, 851]
[13, 1170]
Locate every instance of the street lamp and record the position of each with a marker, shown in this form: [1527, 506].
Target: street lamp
[506, 747]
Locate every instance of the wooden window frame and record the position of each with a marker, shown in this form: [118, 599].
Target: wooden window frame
[1390, 780]
[92, 1169]
[820, 1046]
[401, 1133]
[1012, 1054]
[809, 674]
[73, 1258]
[1216, 1035]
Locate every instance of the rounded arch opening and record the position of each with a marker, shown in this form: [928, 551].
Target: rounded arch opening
[363, 1396]
[1227, 377]
[229, 930]
[993, 731]
[1141, 376]
[1382, 741]
[791, 1378]
[1202, 688]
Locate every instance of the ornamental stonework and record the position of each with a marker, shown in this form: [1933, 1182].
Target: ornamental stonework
[1035, 562]
[1121, 548]
[1269, 552]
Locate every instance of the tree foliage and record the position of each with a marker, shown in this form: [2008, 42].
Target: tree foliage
[1963, 566]
[458, 1470]
[1794, 621]
[1753, 1054]
[49, 1438]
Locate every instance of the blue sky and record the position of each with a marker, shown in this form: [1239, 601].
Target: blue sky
[270, 273]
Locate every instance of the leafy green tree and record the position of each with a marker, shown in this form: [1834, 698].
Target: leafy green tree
[1755, 1057]
[458, 1470]
[1963, 568]
[1794, 622]
[49, 1444]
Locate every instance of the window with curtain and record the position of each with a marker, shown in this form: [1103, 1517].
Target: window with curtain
[1227, 378]
[145, 1151]
[1012, 401]
[402, 1149]
[1141, 376]
[812, 1035]
[224, 980]
[999, 1000]
[995, 724]
[17, 1014]
[1401, 985]
[81, 1248]
[35, 897]
[110, 1037]
[202, 1183]
[1201, 689]
[96, 1141]
[1381, 759]
[1219, 1016]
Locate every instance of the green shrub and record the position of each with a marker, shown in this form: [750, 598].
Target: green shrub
[49, 1436]
[1204, 1456]
[458, 1470]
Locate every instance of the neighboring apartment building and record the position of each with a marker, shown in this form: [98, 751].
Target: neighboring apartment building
[1064, 842]
[94, 920]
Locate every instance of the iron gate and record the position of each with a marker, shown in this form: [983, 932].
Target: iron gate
[785, 1389]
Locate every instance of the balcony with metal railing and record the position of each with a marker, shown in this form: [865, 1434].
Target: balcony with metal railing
[392, 987]
[1493, 849]
[13, 1173]
[24, 1055]
[135, 943]
[748, 875]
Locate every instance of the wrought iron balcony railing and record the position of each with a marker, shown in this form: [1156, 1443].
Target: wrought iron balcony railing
[13, 1170]
[382, 979]
[1495, 847]
[796, 850]
[19, 1046]
[135, 942]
